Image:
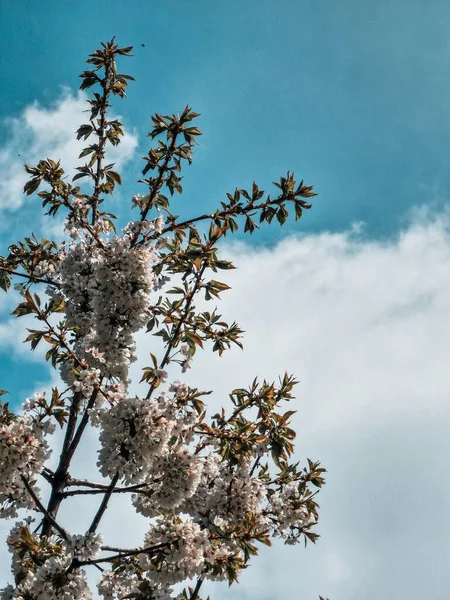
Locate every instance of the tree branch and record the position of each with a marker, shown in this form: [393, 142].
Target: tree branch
[124, 554]
[104, 504]
[196, 590]
[70, 443]
[174, 337]
[103, 489]
[233, 210]
[158, 184]
[43, 510]
[32, 278]
[100, 132]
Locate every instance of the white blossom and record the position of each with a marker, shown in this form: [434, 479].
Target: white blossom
[132, 433]
[127, 580]
[186, 555]
[51, 581]
[106, 290]
[230, 495]
[42, 569]
[291, 513]
[187, 362]
[23, 452]
[84, 547]
[86, 382]
[174, 478]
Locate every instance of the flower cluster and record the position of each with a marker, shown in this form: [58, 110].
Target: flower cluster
[128, 581]
[134, 432]
[133, 227]
[106, 289]
[205, 488]
[42, 569]
[51, 581]
[185, 551]
[84, 547]
[290, 512]
[226, 495]
[174, 477]
[85, 381]
[23, 452]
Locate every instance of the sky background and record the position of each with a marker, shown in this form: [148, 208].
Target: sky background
[353, 96]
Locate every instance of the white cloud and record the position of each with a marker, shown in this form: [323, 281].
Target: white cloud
[13, 332]
[48, 132]
[365, 326]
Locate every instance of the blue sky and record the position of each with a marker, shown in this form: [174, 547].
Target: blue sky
[353, 96]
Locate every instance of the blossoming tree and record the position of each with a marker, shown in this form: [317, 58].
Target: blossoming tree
[212, 488]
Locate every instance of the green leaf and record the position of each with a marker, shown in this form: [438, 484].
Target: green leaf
[5, 280]
[79, 176]
[219, 285]
[124, 51]
[31, 186]
[115, 177]
[84, 131]
[34, 337]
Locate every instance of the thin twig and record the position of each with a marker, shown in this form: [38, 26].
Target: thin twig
[100, 131]
[33, 278]
[100, 486]
[158, 184]
[104, 504]
[124, 554]
[255, 464]
[104, 490]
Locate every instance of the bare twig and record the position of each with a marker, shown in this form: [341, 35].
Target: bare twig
[43, 510]
[32, 278]
[103, 489]
[125, 553]
[104, 504]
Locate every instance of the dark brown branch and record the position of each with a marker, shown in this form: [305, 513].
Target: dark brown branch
[124, 554]
[104, 504]
[82, 426]
[255, 465]
[235, 211]
[71, 441]
[105, 489]
[196, 590]
[71, 482]
[47, 474]
[42, 509]
[32, 278]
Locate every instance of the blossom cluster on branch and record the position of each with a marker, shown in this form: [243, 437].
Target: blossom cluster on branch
[23, 452]
[211, 487]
